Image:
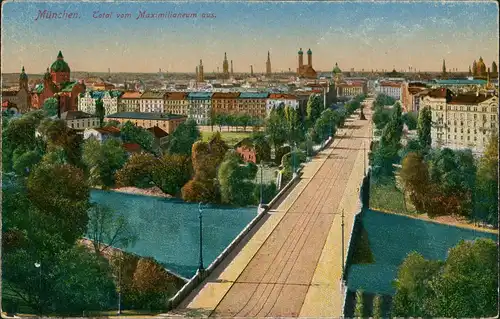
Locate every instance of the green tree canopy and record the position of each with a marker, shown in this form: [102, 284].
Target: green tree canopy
[51, 106]
[424, 127]
[236, 180]
[182, 139]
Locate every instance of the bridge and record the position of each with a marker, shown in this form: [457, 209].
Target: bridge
[290, 263]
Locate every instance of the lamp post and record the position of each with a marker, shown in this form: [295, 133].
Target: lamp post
[39, 266]
[200, 216]
[261, 183]
[119, 312]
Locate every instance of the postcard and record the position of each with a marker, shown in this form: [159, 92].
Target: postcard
[332, 159]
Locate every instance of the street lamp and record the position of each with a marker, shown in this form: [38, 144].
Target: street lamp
[39, 266]
[200, 211]
[261, 184]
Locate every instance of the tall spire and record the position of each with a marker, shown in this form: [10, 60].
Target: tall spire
[60, 56]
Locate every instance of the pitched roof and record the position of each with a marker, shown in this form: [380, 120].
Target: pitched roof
[157, 132]
[132, 147]
[111, 130]
[253, 95]
[74, 115]
[176, 95]
[470, 98]
[131, 95]
[145, 116]
[199, 95]
[68, 86]
[152, 95]
[225, 95]
[282, 96]
[439, 93]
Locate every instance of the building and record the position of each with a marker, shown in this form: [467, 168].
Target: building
[19, 98]
[131, 148]
[160, 136]
[410, 96]
[225, 103]
[200, 77]
[391, 89]
[167, 122]
[246, 150]
[79, 120]
[351, 88]
[87, 102]
[129, 102]
[337, 74]
[200, 106]
[276, 100]
[225, 68]
[253, 104]
[56, 83]
[268, 64]
[152, 102]
[102, 133]
[462, 121]
[306, 71]
[459, 85]
[177, 103]
[98, 84]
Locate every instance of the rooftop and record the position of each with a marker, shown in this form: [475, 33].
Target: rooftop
[253, 95]
[132, 147]
[152, 95]
[74, 115]
[158, 132]
[470, 98]
[176, 96]
[200, 95]
[145, 116]
[282, 96]
[224, 95]
[131, 95]
[460, 82]
[108, 130]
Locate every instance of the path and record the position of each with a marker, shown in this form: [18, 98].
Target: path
[289, 265]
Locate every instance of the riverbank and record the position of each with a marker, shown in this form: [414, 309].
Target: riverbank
[444, 220]
[153, 191]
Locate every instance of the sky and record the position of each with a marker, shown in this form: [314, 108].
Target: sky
[359, 35]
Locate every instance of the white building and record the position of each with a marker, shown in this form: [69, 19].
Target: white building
[152, 102]
[391, 89]
[86, 103]
[200, 107]
[462, 121]
[129, 102]
[276, 100]
[101, 134]
[79, 120]
[110, 102]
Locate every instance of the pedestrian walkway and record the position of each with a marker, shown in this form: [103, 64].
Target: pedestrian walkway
[290, 264]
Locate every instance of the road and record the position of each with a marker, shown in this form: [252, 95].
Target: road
[290, 265]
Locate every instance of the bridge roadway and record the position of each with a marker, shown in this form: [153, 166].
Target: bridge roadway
[289, 265]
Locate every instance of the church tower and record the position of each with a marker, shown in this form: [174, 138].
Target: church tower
[444, 69]
[225, 67]
[59, 70]
[23, 80]
[301, 58]
[200, 76]
[251, 70]
[232, 73]
[309, 58]
[268, 64]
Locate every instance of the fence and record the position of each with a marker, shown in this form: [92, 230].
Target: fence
[363, 204]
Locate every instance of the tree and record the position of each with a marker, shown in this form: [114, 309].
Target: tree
[377, 307]
[359, 309]
[245, 120]
[268, 192]
[413, 289]
[137, 171]
[415, 176]
[171, 173]
[463, 286]
[262, 147]
[135, 134]
[294, 126]
[236, 180]
[25, 162]
[381, 117]
[424, 127]
[109, 229]
[314, 108]
[486, 190]
[410, 120]
[103, 160]
[182, 139]
[64, 203]
[59, 136]
[153, 283]
[276, 129]
[51, 106]
[100, 112]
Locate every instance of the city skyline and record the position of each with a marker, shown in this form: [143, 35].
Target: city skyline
[356, 35]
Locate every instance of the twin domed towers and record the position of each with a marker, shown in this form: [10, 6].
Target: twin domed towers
[306, 71]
